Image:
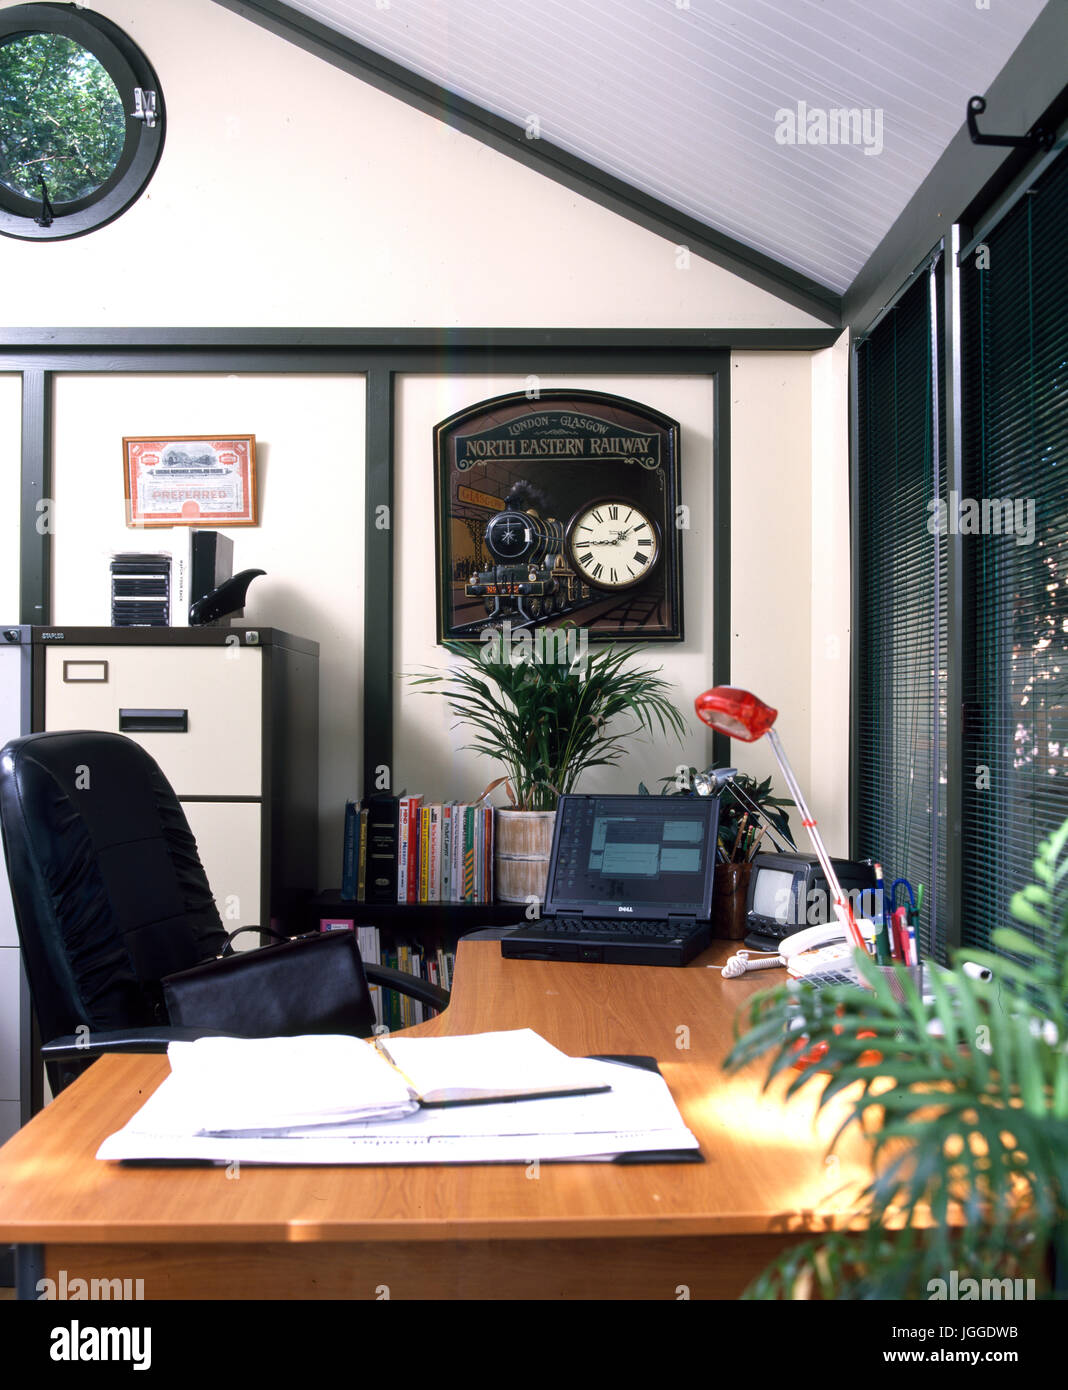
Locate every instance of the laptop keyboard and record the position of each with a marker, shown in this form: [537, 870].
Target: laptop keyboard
[649, 928]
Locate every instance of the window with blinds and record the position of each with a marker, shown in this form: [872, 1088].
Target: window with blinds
[1013, 519]
[899, 580]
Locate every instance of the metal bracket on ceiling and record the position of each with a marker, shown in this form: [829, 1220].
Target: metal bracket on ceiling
[1036, 138]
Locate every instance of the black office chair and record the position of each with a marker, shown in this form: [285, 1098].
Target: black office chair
[114, 913]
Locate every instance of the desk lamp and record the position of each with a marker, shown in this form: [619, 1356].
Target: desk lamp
[712, 782]
[741, 715]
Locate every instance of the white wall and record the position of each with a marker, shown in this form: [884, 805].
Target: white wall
[290, 194]
[429, 759]
[10, 473]
[789, 577]
[790, 570]
[828, 785]
[771, 555]
[310, 455]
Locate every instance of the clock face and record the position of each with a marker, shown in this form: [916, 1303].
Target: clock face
[613, 544]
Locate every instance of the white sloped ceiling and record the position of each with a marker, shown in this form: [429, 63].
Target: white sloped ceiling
[687, 100]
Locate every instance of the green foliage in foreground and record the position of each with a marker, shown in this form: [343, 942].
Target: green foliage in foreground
[975, 1121]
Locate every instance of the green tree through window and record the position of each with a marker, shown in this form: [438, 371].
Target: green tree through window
[61, 118]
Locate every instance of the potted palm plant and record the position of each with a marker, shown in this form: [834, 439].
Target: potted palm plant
[970, 1150]
[548, 722]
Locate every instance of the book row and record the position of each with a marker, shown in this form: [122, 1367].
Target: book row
[406, 850]
[392, 1009]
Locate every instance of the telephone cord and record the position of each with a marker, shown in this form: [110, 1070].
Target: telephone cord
[741, 963]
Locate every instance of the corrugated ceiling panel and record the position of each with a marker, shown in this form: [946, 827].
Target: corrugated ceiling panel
[684, 99]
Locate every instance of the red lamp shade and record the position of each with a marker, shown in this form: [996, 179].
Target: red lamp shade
[736, 712]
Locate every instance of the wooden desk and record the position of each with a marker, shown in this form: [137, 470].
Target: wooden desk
[569, 1231]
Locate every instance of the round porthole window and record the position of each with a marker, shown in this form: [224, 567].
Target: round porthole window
[81, 121]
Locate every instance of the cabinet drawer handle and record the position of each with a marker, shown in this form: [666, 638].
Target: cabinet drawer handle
[153, 721]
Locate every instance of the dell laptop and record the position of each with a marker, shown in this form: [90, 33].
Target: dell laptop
[630, 882]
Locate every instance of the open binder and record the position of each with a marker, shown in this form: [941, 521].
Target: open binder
[494, 1097]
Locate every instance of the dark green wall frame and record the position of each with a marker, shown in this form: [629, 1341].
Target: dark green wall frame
[380, 356]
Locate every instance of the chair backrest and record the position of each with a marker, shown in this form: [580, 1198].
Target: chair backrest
[108, 889]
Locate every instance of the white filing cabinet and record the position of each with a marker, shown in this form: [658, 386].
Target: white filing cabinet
[231, 716]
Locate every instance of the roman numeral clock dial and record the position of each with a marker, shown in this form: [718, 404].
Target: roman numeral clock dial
[613, 544]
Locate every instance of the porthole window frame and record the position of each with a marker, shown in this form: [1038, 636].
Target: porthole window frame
[128, 68]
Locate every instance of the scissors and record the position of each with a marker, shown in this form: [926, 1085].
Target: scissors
[908, 945]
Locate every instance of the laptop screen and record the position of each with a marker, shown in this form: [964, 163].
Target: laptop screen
[655, 855]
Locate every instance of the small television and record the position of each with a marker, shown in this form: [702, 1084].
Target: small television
[788, 892]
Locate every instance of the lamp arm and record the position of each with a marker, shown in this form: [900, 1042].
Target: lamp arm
[776, 835]
[842, 908]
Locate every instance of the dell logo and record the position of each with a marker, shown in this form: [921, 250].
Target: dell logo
[624, 909]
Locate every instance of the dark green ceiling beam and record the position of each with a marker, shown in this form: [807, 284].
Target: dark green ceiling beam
[1028, 90]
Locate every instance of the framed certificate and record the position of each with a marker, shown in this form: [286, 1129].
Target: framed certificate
[190, 480]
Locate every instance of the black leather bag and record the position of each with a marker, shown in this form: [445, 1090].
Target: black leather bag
[313, 984]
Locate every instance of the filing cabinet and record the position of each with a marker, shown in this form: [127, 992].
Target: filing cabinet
[231, 716]
[15, 1050]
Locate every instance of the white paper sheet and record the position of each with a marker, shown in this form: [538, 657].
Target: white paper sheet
[514, 1060]
[271, 1083]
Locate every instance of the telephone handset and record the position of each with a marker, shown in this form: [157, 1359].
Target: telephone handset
[811, 939]
[828, 934]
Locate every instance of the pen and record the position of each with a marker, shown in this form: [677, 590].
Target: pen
[901, 936]
[883, 944]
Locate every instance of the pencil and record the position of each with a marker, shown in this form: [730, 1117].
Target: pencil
[738, 838]
[753, 846]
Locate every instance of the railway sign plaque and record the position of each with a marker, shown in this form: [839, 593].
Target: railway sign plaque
[561, 509]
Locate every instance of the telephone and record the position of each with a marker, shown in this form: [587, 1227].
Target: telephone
[827, 943]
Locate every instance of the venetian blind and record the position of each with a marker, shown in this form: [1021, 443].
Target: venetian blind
[1013, 521]
[899, 714]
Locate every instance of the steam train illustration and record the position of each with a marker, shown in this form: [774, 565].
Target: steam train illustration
[531, 579]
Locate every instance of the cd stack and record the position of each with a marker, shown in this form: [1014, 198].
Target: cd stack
[148, 591]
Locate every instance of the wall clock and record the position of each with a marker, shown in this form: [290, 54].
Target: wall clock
[560, 509]
[613, 544]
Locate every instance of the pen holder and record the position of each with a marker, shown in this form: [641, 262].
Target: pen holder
[895, 976]
[730, 886]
